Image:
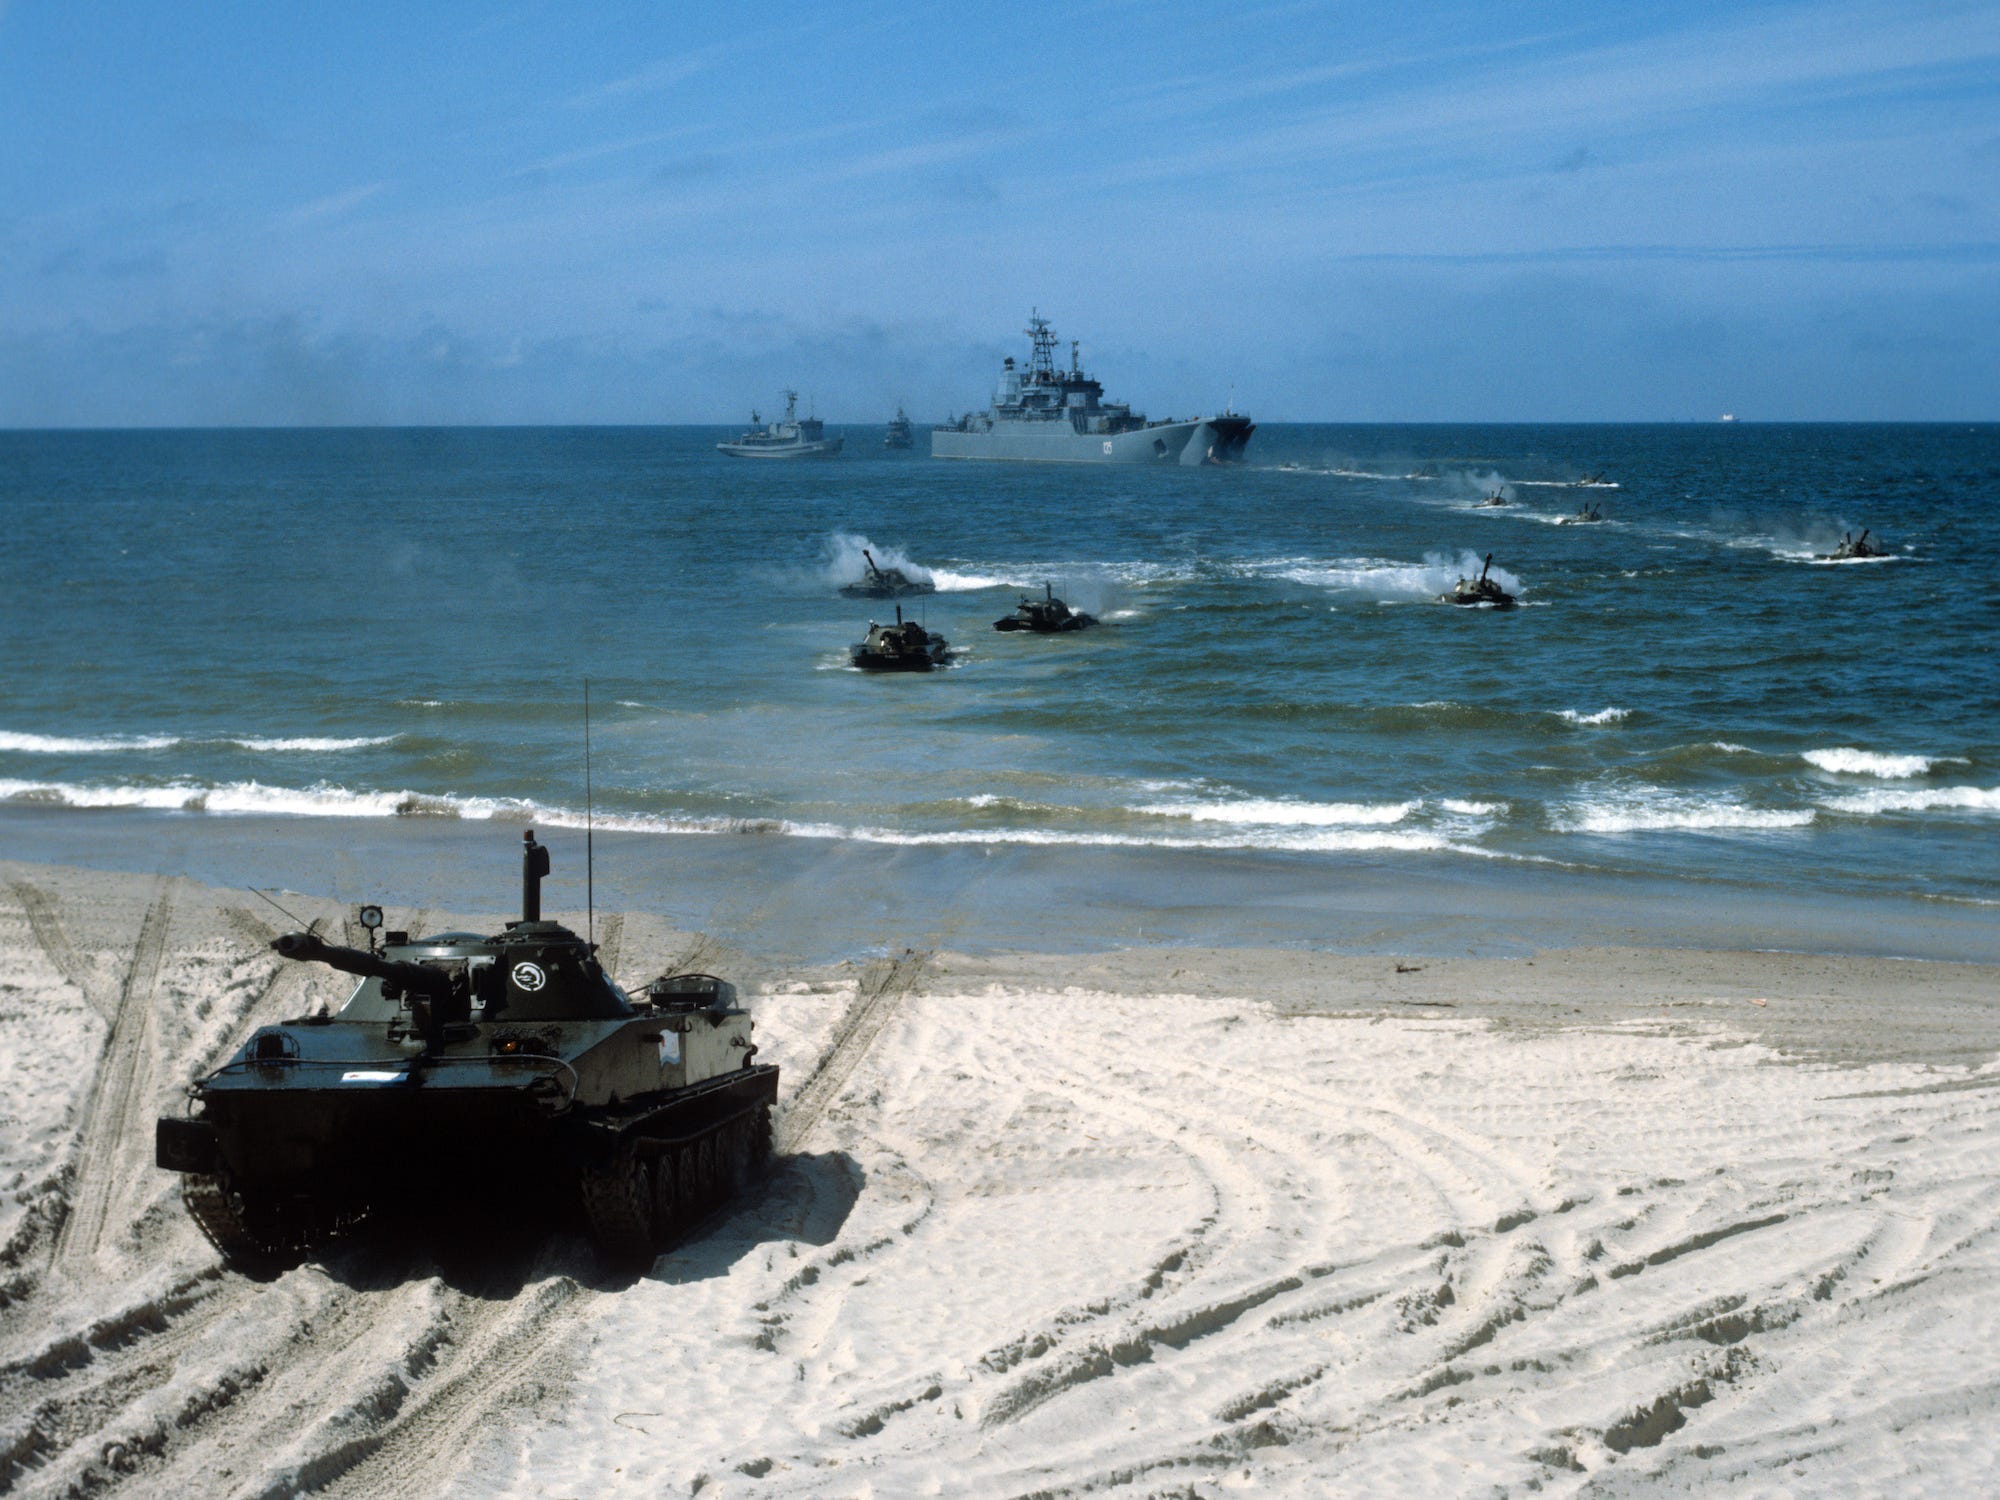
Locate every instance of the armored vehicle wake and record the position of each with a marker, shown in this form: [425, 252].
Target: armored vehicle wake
[1480, 590]
[902, 647]
[1853, 548]
[885, 583]
[1045, 616]
[506, 1068]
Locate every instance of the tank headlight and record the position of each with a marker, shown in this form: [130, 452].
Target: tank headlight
[509, 1047]
[370, 917]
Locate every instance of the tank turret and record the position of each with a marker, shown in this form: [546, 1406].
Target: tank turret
[1047, 615]
[513, 1055]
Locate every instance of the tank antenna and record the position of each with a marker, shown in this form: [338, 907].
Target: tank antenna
[589, 832]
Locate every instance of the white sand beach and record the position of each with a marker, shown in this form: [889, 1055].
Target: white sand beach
[1596, 1222]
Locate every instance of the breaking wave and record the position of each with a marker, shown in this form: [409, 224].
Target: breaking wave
[51, 744]
[1915, 799]
[1847, 761]
[1602, 716]
[1659, 811]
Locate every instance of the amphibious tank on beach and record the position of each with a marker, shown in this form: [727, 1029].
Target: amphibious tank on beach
[1480, 590]
[1045, 616]
[495, 1068]
[1853, 547]
[885, 583]
[902, 647]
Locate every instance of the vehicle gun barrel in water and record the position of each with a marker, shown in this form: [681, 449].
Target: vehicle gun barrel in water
[421, 979]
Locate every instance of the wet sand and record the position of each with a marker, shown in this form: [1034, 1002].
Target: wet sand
[1133, 1220]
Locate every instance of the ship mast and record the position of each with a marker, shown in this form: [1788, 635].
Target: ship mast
[1042, 361]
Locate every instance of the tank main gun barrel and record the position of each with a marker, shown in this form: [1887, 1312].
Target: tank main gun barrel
[869, 558]
[422, 978]
[1487, 569]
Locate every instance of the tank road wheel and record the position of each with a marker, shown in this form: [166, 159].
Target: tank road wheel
[760, 1140]
[249, 1232]
[618, 1207]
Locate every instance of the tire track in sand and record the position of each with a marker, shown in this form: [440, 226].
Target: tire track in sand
[46, 924]
[877, 998]
[116, 1086]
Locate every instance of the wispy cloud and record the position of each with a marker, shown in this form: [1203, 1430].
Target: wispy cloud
[334, 205]
[610, 148]
[654, 77]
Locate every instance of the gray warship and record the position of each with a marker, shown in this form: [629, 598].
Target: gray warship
[792, 437]
[1043, 414]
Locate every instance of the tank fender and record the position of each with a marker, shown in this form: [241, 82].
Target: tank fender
[184, 1145]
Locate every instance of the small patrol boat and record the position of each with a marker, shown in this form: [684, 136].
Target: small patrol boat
[792, 437]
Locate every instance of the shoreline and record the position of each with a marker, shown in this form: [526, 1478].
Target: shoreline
[823, 900]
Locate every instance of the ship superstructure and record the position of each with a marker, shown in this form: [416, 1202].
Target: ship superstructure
[792, 437]
[1047, 414]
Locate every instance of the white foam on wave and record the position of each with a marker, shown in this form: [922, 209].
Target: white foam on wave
[1387, 578]
[1917, 799]
[50, 744]
[1848, 761]
[310, 743]
[1279, 814]
[1302, 835]
[1473, 809]
[1659, 811]
[1602, 716]
[58, 744]
[1729, 747]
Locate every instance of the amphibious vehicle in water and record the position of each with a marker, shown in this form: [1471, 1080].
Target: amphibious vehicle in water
[1854, 548]
[1048, 415]
[885, 583]
[1480, 590]
[1045, 616]
[902, 647]
[493, 1068]
[1588, 515]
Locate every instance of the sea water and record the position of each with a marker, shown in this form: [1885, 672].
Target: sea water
[398, 625]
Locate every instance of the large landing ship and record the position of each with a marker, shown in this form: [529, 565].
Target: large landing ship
[1046, 415]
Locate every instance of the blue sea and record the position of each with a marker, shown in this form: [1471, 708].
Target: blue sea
[397, 625]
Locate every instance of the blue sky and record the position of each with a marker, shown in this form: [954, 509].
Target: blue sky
[224, 214]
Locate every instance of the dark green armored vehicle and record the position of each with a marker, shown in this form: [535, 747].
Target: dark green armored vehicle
[902, 647]
[1479, 591]
[1045, 616]
[501, 1068]
[885, 583]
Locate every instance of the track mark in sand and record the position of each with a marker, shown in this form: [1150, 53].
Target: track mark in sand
[420, 1447]
[114, 1088]
[48, 930]
[881, 991]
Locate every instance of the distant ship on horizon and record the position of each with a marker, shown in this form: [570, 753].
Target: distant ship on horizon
[900, 435]
[791, 437]
[1047, 415]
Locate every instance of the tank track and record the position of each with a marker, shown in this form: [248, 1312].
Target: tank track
[639, 1201]
[253, 1234]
